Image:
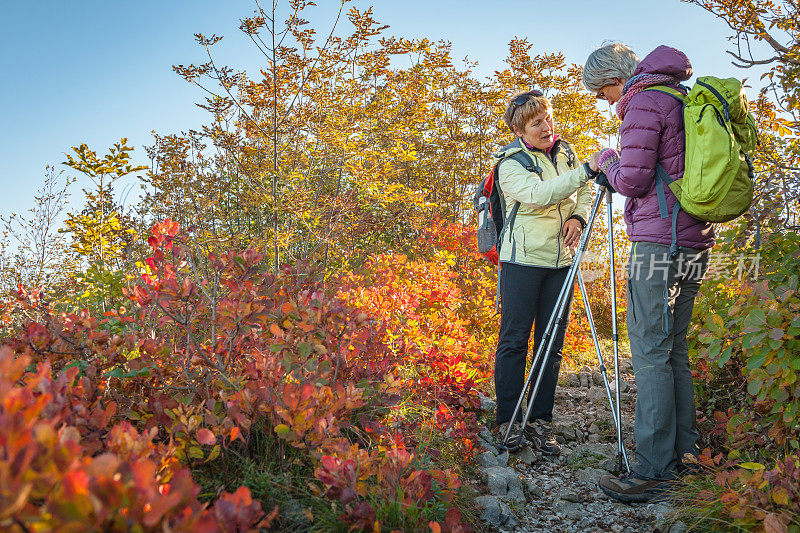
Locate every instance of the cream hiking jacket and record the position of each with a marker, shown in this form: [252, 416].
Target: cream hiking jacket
[547, 200]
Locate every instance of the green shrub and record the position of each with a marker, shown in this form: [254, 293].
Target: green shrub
[753, 325]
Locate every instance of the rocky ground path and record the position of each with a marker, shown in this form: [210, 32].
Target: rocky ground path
[527, 492]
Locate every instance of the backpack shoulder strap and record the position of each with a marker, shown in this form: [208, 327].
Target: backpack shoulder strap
[663, 179]
[527, 162]
[519, 155]
[672, 91]
[572, 158]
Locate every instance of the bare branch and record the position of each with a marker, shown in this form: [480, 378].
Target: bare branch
[314, 65]
[747, 63]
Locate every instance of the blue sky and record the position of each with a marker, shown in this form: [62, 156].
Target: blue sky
[94, 71]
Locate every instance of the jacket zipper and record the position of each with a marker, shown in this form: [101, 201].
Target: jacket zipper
[558, 235]
[554, 161]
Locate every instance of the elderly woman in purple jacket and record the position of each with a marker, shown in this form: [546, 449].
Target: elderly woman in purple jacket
[663, 280]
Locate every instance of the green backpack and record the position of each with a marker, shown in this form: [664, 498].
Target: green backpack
[717, 183]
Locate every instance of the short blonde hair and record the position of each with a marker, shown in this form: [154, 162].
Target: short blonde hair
[520, 115]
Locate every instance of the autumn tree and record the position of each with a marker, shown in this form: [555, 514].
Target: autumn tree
[101, 230]
[349, 145]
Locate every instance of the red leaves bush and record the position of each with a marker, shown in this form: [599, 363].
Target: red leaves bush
[57, 476]
[120, 407]
[748, 495]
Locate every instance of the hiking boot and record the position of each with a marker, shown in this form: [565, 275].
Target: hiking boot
[540, 434]
[632, 488]
[514, 442]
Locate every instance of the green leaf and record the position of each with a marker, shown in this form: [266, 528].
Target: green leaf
[215, 451]
[304, 350]
[283, 431]
[725, 356]
[755, 319]
[754, 387]
[751, 466]
[713, 351]
[752, 340]
[118, 372]
[195, 452]
[779, 395]
[757, 360]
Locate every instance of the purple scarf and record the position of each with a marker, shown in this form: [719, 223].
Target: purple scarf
[639, 83]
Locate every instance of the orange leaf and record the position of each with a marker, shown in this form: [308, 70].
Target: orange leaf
[76, 483]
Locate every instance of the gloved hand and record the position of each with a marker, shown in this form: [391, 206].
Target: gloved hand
[607, 157]
[602, 180]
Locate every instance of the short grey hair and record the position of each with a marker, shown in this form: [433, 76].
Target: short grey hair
[614, 60]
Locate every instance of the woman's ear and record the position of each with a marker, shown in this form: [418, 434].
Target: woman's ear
[516, 131]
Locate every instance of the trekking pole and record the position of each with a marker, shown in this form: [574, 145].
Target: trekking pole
[603, 370]
[556, 317]
[615, 334]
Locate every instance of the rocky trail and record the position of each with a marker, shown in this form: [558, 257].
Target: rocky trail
[529, 492]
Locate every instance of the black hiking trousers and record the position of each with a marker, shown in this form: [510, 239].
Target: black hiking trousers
[527, 294]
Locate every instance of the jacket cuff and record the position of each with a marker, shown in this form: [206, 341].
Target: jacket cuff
[589, 172]
[579, 219]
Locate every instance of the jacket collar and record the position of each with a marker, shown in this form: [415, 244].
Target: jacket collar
[549, 151]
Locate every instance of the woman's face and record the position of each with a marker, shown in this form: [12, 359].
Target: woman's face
[612, 92]
[539, 131]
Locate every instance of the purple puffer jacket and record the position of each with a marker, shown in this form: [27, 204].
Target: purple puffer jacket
[652, 132]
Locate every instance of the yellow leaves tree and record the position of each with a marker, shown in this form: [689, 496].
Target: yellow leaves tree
[575, 112]
[350, 145]
[101, 231]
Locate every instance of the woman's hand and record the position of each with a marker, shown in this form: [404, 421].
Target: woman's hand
[595, 160]
[572, 232]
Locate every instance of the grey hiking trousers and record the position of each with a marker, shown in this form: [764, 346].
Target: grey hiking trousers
[665, 423]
